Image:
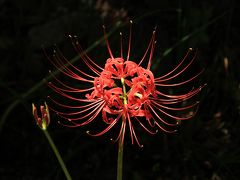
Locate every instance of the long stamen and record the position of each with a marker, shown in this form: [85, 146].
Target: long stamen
[151, 54]
[66, 115]
[149, 45]
[132, 132]
[181, 62]
[129, 40]
[61, 66]
[107, 129]
[181, 83]
[106, 40]
[177, 74]
[71, 65]
[86, 59]
[144, 127]
[165, 130]
[176, 109]
[174, 117]
[121, 48]
[163, 121]
[70, 97]
[69, 89]
[74, 107]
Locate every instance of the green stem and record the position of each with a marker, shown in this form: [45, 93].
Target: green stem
[120, 142]
[120, 159]
[56, 152]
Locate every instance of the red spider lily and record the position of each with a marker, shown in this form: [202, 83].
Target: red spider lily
[44, 120]
[123, 92]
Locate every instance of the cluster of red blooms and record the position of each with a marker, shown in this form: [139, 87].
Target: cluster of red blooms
[131, 104]
[122, 91]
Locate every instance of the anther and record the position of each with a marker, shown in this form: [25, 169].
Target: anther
[138, 95]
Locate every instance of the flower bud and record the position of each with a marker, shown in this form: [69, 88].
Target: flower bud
[44, 120]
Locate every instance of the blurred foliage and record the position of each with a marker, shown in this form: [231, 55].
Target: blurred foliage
[206, 147]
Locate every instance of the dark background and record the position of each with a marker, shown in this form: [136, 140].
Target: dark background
[206, 147]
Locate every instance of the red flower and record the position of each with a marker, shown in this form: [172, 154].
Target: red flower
[123, 92]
